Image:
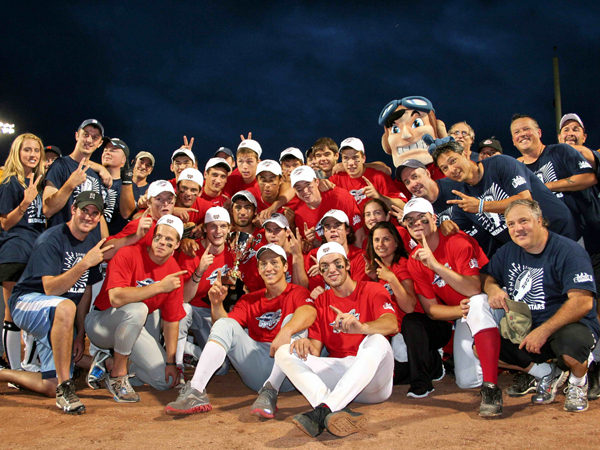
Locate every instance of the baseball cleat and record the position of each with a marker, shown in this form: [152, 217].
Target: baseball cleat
[491, 400]
[121, 389]
[345, 422]
[67, 400]
[312, 422]
[265, 404]
[547, 386]
[189, 401]
[97, 371]
[417, 392]
[576, 398]
[593, 375]
[524, 384]
[190, 361]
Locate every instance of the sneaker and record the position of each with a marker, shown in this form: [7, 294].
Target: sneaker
[576, 398]
[491, 400]
[593, 375]
[266, 403]
[97, 371]
[345, 422]
[189, 401]
[121, 389]
[439, 370]
[418, 392]
[190, 360]
[547, 386]
[182, 378]
[312, 422]
[524, 384]
[67, 400]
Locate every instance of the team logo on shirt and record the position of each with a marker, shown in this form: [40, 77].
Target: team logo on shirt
[269, 320]
[34, 211]
[388, 288]
[412, 243]
[213, 276]
[492, 222]
[584, 165]
[444, 215]
[70, 259]
[319, 229]
[546, 174]
[358, 195]
[438, 280]
[525, 284]
[389, 306]
[90, 184]
[355, 219]
[474, 264]
[288, 277]
[309, 300]
[583, 278]
[110, 202]
[518, 181]
[146, 282]
[353, 312]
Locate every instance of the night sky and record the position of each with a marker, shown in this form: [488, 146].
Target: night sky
[289, 72]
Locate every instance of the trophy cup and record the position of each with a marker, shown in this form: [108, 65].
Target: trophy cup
[241, 244]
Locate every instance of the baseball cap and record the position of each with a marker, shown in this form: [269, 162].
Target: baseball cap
[354, 143]
[245, 194]
[302, 173]
[295, 152]
[330, 247]
[492, 143]
[274, 248]
[158, 187]
[216, 213]
[89, 198]
[417, 204]
[268, 165]
[146, 155]
[118, 143]
[191, 174]
[570, 116]
[214, 162]
[252, 145]
[278, 219]
[516, 323]
[224, 150]
[409, 163]
[172, 221]
[183, 151]
[94, 123]
[53, 149]
[338, 215]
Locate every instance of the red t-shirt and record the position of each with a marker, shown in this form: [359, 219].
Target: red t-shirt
[262, 316]
[131, 228]
[357, 266]
[368, 302]
[262, 205]
[219, 200]
[336, 198]
[223, 263]
[249, 266]
[235, 183]
[456, 252]
[132, 267]
[382, 182]
[400, 269]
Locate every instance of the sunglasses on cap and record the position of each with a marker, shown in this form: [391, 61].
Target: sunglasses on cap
[414, 102]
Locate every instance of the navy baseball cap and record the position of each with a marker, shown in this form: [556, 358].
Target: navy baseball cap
[410, 163]
[53, 149]
[118, 143]
[224, 150]
[94, 123]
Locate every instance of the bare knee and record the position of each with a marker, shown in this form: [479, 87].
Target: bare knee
[65, 312]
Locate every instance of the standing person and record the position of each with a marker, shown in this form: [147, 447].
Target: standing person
[22, 222]
[464, 134]
[143, 167]
[52, 153]
[244, 176]
[227, 155]
[325, 153]
[375, 211]
[52, 298]
[216, 172]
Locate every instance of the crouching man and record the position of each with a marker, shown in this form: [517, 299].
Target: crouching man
[353, 319]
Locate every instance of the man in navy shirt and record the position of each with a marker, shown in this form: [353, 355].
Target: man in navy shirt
[53, 296]
[553, 276]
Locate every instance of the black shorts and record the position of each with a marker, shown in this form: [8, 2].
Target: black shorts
[11, 271]
[575, 340]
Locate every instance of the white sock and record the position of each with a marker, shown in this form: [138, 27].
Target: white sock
[576, 381]
[12, 344]
[276, 378]
[211, 360]
[540, 370]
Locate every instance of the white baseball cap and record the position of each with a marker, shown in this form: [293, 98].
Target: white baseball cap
[417, 204]
[191, 174]
[252, 145]
[184, 151]
[302, 173]
[172, 221]
[354, 143]
[278, 219]
[337, 214]
[216, 213]
[247, 195]
[295, 152]
[330, 247]
[158, 187]
[268, 165]
[212, 162]
[570, 116]
[274, 248]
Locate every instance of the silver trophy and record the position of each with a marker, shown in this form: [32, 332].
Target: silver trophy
[241, 244]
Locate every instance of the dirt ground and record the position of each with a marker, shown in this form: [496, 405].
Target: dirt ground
[446, 419]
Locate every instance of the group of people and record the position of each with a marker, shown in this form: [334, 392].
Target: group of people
[317, 271]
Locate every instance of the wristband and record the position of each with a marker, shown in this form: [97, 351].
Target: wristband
[20, 210]
[481, 206]
[196, 276]
[171, 364]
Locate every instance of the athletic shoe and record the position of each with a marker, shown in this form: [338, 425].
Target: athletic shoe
[593, 375]
[266, 403]
[547, 386]
[576, 398]
[491, 400]
[190, 360]
[121, 389]
[189, 401]
[419, 392]
[67, 400]
[440, 370]
[182, 379]
[345, 422]
[312, 422]
[524, 384]
[97, 371]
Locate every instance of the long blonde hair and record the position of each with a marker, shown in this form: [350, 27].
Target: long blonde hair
[13, 164]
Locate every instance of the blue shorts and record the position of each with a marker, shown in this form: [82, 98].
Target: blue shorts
[34, 313]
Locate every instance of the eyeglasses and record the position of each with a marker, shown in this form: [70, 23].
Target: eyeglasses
[459, 133]
[410, 222]
[416, 102]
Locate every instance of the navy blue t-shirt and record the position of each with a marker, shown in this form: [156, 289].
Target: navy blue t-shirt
[16, 244]
[58, 174]
[56, 250]
[543, 281]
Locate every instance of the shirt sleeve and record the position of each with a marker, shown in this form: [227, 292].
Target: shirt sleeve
[119, 270]
[352, 210]
[9, 196]
[573, 161]
[380, 300]
[422, 283]
[577, 273]
[172, 308]
[56, 174]
[464, 256]
[513, 175]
